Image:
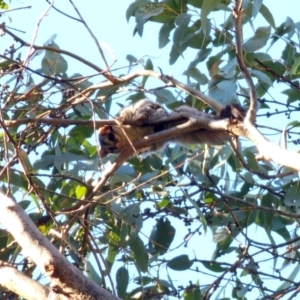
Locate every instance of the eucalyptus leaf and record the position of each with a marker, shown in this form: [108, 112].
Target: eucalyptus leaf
[140, 254]
[180, 263]
[122, 279]
[206, 8]
[161, 236]
[53, 62]
[259, 39]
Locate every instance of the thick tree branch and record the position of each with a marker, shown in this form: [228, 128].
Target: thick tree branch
[267, 150]
[64, 276]
[22, 285]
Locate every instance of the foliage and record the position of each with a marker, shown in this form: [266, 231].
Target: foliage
[147, 222]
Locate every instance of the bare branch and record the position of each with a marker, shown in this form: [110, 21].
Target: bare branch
[61, 51]
[36, 32]
[93, 36]
[267, 150]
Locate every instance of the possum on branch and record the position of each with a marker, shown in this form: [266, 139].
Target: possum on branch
[113, 140]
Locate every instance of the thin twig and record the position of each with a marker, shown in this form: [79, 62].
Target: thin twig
[61, 51]
[93, 36]
[29, 53]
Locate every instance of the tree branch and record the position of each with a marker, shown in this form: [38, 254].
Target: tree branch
[22, 285]
[93, 36]
[61, 51]
[267, 150]
[64, 276]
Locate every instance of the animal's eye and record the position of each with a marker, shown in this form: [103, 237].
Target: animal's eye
[111, 137]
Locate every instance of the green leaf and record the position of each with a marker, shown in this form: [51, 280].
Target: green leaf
[79, 81]
[24, 204]
[4, 64]
[163, 203]
[16, 178]
[286, 284]
[196, 3]
[207, 7]
[3, 5]
[49, 160]
[145, 12]
[286, 28]
[124, 232]
[53, 62]
[293, 95]
[256, 7]
[264, 218]
[165, 97]
[296, 64]
[4, 241]
[229, 70]
[140, 254]
[196, 40]
[161, 236]
[81, 132]
[80, 191]
[133, 7]
[148, 66]
[252, 162]
[288, 55]
[122, 279]
[192, 294]
[214, 266]
[180, 263]
[290, 198]
[223, 246]
[267, 15]
[197, 75]
[220, 235]
[259, 40]
[132, 215]
[199, 212]
[262, 76]
[126, 170]
[111, 255]
[164, 33]
[223, 91]
[117, 180]
[25, 159]
[143, 280]
[182, 22]
[93, 274]
[175, 52]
